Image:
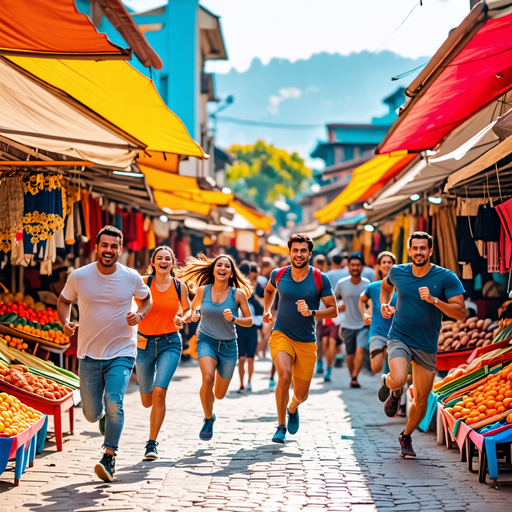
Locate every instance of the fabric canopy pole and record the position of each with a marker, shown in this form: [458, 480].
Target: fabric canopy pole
[35, 117]
[119, 93]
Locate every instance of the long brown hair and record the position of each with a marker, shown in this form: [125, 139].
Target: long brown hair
[199, 271]
[378, 273]
[174, 268]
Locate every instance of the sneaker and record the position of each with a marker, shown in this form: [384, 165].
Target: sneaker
[293, 422]
[271, 383]
[327, 377]
[354, 383]
[207, 431]
[106, 468]
[242, 389]
[392, 404]
[151, 451]
[101, 425]
[384, 391]
[280, 435]
[319, 366]
[249, 386]
[406, 450]
[338, 362]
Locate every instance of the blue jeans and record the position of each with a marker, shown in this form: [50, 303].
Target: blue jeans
[157, 363]
[102, 387]
[225, 352]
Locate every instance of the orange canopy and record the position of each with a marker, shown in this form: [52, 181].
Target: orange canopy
[54, 29]
[366, 181]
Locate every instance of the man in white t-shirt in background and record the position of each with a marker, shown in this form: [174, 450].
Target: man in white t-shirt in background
[107, 338]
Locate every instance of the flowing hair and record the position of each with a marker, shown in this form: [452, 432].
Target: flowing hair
[199, 272]
[174, 267]
[378, 272]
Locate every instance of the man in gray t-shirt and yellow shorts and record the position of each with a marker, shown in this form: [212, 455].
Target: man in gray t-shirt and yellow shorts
[425, 291]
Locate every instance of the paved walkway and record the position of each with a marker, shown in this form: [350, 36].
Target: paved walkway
[344, 458]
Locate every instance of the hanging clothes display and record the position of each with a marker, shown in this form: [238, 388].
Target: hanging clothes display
[487, 226]
[445, 221]
[505, 213]
[11, 210]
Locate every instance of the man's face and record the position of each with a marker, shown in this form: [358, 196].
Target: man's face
[299, 254]
[355, 267]
[108, 250]
[419, 252]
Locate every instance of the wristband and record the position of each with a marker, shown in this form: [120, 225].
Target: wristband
[234, 318]
[140, 314]
[313, 312]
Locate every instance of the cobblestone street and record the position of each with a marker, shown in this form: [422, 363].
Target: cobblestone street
[345, 457]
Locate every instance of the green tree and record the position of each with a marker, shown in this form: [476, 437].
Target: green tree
[263, 174]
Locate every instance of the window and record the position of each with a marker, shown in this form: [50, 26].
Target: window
[339, 154]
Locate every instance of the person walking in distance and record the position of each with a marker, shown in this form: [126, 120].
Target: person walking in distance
[320, 263]
[159, 341]
[293, 339]
[221, 291]
[107, 337]
[379, 326]
[353, 330]
[425, 292]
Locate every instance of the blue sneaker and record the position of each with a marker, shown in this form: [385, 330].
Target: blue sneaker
[319, 366]
[249, 386]
[207, 431]
[293, 422]
[101, 425]
[280, 435]
[327, 377]
[106, 468]
[151, 450]
[271, 383]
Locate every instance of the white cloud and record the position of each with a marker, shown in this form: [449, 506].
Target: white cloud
[284, 94]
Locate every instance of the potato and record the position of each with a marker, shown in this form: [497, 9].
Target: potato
[475, 335]
[487, 342]
[471, 326]
[448, 341]
[487, 324]
[456, 345]
[480, 324]
[462, 325]
[480, 342]
[482, 334]
[488, 336]
[464, 340]
[472, 319]
[472, 343]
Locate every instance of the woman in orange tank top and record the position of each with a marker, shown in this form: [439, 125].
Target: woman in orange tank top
[159, 340]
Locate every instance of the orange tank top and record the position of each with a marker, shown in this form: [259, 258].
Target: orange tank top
[160, 319]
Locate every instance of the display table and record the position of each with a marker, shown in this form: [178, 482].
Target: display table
[22, 447]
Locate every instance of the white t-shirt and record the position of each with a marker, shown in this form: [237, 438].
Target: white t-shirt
[103, 303]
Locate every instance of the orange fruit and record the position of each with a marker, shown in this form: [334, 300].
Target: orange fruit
[482, 408]
[507, 402]
[491, 412]
[482, 417]
[457, 416]
[509, 418]
[491, 404]
[469, 421]
[500, 398]
[508, 393]
[501, 409]
[470, 405]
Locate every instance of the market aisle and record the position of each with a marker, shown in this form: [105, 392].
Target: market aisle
[241, 470]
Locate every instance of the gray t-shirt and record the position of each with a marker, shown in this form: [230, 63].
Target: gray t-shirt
[350, 294]
[367, 273]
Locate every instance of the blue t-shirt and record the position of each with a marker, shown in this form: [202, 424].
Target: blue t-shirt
[380, 326]
[289, 321]
[416, 322]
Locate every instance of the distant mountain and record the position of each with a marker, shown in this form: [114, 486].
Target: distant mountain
[326, 88]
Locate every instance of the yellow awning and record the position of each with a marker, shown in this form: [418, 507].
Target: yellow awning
[258, 220]
[366, 181]
[169, 162]
[120, 94]
[182, 192]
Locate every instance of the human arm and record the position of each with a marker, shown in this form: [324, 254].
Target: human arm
[64, 312]
[363, 309]
[185, 306]
[193, 315]
[246, 320]
[339, 298]
[330, 311]
[133, 318]
[386, 294]
[270, 293]
[454, 308]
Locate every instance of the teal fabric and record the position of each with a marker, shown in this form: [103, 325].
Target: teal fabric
[431, 410]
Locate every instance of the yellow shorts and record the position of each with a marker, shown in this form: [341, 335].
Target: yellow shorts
[303, 354]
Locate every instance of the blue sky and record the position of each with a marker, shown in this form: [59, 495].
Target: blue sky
[296, 29]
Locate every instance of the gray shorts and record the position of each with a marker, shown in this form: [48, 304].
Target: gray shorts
[354, 338]
[398, 348]
[377, 345]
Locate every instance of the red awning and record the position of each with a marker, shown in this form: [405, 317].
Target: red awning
[51, 28]
[462, 78]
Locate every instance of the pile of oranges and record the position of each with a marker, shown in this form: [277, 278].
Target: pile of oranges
[492, 397]
[15, 417]
[15, 342]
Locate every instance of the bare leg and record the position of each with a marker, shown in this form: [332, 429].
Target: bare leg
[358, 361]
[397, 376]
[377, 361]
[221, 387]
[423, 380]
[241, 370]
[273, 371]
[283, 362]
[250, 368]
[300, 393]
[157, 412]
[350, 363]
[207, 365]
[330, 353]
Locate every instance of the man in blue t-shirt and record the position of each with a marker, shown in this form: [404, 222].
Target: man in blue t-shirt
[425, 291]
[293, 340]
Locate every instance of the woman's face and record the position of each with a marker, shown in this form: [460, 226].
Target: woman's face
[385, 265]
[163, 262]
[222, 270]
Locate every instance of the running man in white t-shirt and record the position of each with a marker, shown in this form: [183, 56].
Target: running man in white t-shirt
[107, 338]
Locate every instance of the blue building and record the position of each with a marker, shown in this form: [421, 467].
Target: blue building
[184, 35]
[348, 147]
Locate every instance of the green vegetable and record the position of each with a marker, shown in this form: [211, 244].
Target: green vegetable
[23, 321]
[9, 318]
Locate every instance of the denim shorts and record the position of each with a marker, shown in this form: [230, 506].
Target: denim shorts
[225, 352]
[157, 363]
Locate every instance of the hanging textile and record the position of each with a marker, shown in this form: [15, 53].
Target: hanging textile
[505, 213]
[445, 221]
[493, 257]
[11, 210]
